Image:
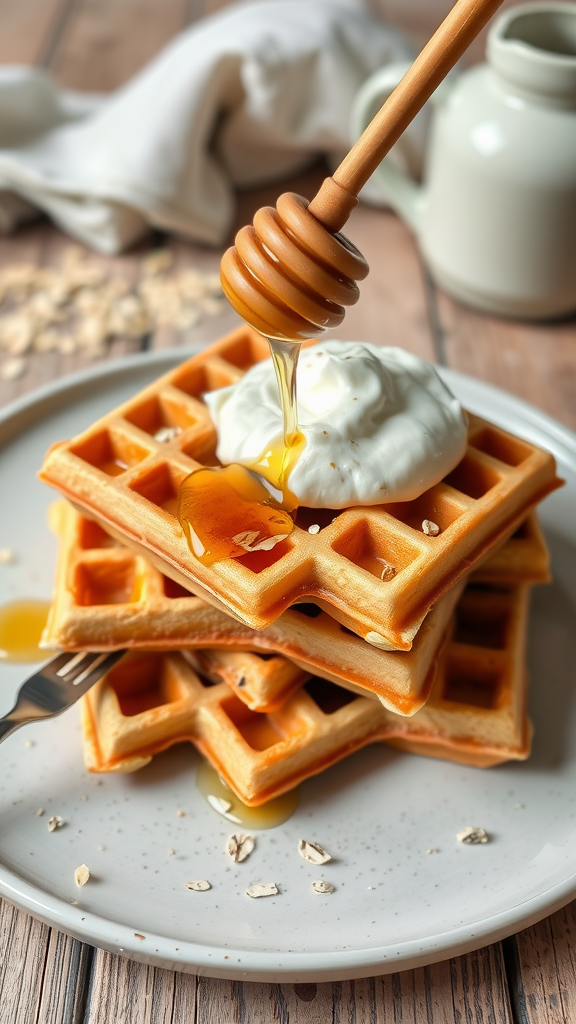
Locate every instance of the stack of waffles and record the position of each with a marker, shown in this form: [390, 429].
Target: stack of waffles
[279, 663]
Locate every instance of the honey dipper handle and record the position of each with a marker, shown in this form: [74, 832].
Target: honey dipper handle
[337, 195]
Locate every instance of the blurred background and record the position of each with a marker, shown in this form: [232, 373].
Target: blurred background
[97, 46]
[100, 44]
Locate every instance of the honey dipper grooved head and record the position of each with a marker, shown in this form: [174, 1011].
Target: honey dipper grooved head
[288, 276]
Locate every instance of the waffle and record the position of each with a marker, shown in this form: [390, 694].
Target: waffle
[123, 476]
[476, 713]
[523, 559]
[107, 598]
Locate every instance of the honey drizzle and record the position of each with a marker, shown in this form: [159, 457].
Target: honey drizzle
[228, 512]
[21, 625]
[222, 800]
[285, 358]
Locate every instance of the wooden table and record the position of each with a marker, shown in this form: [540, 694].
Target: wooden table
[48, 978]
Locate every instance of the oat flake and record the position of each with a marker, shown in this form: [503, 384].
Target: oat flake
[165, 434]
[313, 852]
[12, 369]
[314, 529]
[6, 556]
[240, 846]
[81, 875]
[263, 889]
[202, 885]
[377, 640]
[220, 804]
[55, 822]
[323, 887]
[429, 528]
[472, 836]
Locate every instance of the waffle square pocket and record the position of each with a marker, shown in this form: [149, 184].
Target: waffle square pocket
[135, 606]
[125, 472]
[476, 713]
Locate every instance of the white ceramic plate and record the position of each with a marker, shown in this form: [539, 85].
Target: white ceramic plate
[395, 906]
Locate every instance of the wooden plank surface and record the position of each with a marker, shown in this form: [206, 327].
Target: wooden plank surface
[107, 41]
[468, 988]
[27, 29]
[533, 361]
[48, 978]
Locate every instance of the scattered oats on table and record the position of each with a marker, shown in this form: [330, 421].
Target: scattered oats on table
[313, 852]
[12, 369]
[6, 556]
[83, 304]
[156, 262]
[202, 885]
[472, 836]
[240, 846]
[55, 822]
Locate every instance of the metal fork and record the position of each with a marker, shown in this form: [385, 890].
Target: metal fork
[56, 686]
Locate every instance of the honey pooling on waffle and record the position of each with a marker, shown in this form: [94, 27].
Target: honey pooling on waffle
[226, 512]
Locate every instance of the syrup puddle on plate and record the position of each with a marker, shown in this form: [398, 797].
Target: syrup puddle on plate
[228, 512]
[21, 625]
[222, 800]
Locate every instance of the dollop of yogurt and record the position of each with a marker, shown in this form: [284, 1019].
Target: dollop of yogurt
[379, 424]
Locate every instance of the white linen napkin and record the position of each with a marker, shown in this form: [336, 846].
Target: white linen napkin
[247, 96]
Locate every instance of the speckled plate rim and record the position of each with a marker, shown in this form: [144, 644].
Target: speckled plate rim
[241, 964]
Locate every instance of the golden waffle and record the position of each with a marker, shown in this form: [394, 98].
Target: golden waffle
[106, 598]
[476, 713]
[524, 558]
[127, 479]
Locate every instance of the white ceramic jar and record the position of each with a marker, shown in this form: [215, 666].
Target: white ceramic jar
[496, 215]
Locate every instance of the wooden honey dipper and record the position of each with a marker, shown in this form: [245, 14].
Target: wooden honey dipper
[291, 274]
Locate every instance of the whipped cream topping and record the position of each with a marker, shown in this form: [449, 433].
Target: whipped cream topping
[379, 424]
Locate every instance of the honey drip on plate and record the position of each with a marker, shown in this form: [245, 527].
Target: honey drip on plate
[225, 802]
[21, 626]
[228, 512]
